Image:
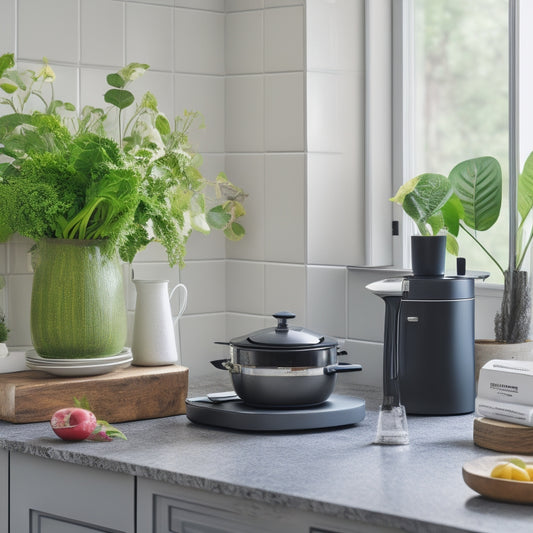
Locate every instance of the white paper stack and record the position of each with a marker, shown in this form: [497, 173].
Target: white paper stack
[505, 391]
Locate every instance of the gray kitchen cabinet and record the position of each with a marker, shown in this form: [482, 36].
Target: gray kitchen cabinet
[48, 496]
[4, 491]
[164, 508]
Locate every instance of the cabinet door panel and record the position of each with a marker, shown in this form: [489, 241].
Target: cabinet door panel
[85, 497]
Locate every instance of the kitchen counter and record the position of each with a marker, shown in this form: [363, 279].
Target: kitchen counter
[336, 472]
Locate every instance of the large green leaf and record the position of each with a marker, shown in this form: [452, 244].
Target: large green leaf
[119, 98]
[525, 188]
[478, 184]
[430, 194]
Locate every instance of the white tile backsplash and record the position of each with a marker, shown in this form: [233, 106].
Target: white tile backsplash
[155, 50]
[244, 42]
[102, 38]
[48, 29]
[206, 285]
[284, 39]
[244, 114]
[209, 5]
[243, 5]
[284, 112]
[285, 288]
[204, 31]
[370, 356]
[197, 335]
[245, 287]
[285, 207]
[366, 311]
[7, 26]
[326, 300]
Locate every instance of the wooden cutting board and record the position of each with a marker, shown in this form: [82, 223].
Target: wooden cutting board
[503, 436]
[132, 393]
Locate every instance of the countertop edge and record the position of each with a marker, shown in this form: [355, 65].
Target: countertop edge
[287, 501]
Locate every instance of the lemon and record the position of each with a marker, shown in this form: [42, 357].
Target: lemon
[510, 471]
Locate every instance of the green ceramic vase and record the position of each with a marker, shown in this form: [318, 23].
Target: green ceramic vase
[78, 308]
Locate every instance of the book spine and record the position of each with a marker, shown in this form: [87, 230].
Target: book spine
[506, 387]
[507, 412]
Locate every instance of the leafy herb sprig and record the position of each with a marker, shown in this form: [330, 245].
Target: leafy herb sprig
[93, 174]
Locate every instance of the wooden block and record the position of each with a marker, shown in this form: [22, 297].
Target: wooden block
[132, 393]
[503, 436]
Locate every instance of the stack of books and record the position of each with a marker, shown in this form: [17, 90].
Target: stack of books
[505, 391]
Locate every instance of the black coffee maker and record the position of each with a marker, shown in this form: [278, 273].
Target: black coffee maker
[430, 355]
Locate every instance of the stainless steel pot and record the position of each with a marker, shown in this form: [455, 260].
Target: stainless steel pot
[284, 367]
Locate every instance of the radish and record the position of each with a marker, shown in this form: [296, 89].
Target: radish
[73, 423]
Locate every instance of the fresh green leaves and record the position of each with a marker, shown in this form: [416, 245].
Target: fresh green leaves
[478, 185]
[63, 175]
[422, 200]
[470, 195]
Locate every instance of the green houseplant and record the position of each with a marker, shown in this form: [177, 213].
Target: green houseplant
[104, 182]
[469, 200]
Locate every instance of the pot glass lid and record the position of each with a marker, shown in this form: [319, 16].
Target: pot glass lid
[283, 335]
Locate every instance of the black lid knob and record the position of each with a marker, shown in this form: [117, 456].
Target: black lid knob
[282, 317]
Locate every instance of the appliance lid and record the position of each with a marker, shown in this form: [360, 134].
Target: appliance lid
[284, 336]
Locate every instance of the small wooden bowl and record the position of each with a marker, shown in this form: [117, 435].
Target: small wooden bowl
[476, 475]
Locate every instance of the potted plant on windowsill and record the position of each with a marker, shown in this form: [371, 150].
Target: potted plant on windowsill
[469, 199]
[90, 186]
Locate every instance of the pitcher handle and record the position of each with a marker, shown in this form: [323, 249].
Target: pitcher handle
[183, 301]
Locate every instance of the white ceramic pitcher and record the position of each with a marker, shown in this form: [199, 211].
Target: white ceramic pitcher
[154, 340]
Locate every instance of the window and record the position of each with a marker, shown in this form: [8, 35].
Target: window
[456, 100]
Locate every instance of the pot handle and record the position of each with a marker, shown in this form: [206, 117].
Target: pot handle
[220, 363]
[342, 367]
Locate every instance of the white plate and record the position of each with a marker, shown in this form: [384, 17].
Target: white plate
[86, 370]
[33, 357]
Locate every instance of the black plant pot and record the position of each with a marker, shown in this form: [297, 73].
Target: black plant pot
[428, 255]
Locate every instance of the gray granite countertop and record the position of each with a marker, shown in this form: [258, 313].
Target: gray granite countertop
[339, 472]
